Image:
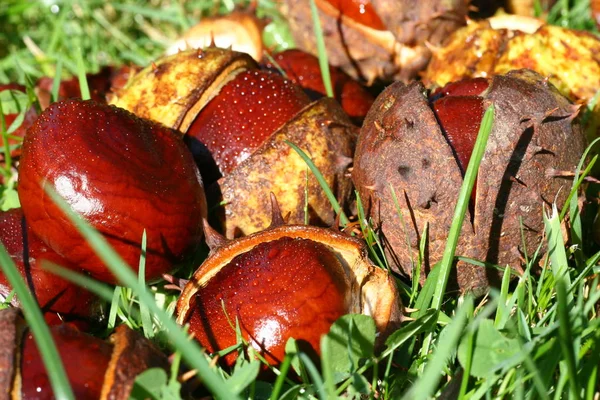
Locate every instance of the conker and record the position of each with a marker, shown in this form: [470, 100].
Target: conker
[303, 69]
[124, 175]
[241, 117]
[402, 147]
[287, 281]
[176, 90]
[59, 299]
[96, 369]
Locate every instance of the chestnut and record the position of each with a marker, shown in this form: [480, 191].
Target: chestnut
[378, 39]
[96, 369]
[194, 91]
[303, 69]
[419, 147]
[123, 174]
[283, 282]
[59, 299]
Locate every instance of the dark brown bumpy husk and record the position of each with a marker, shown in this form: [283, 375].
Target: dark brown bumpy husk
[401, 147]
[399, 52]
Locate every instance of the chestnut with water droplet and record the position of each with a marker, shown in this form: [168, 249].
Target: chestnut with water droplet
[283, 282]
[304, 70]
[237, 120]
[95, 369]
[124, 175]
[419, 147]
[59, 299]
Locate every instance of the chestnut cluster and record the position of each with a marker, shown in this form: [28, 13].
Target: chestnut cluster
[210, 129]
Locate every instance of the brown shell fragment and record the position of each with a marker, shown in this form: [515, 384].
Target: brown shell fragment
[174, 89]
[12, 326]
[401, 148]
[501, 44]
[132, 355]
[326, 134]
[399, 51]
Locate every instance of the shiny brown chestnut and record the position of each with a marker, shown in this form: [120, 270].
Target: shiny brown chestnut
[96, 369]
[206, 93]
[59, 299]
[124, 175]
[287, 281]
[419, 148]
[304, 70]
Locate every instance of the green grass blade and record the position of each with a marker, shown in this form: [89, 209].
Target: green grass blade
[100, 289]
[57, 79]
[81, 75]
[445, 265]
[462, 205]
[314, 375]
[144, 311]
[321, 49]
[37, 325]
[321, 179]
[425, 386]
[566, 337]
[190, 350]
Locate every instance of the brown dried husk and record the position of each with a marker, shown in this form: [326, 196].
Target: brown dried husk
[132, 354]
[174, 90]
[401, 147]
[365, 53]
[324, 132]
[501, 44]
[372, 290]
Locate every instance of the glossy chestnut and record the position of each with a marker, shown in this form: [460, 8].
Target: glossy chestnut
[59, 299]
[287, 281]
[124, 175]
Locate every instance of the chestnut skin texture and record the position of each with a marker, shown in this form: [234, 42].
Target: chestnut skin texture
[277, 290]
[122, 174]
[59, 299]
[240, 118]
[303, 69]
[85, 359]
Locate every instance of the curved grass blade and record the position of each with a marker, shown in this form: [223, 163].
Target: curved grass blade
[41, 333]
[321, 50]
[191, 352]
[313, 168]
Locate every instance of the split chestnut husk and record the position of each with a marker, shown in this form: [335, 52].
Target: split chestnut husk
[287, 281]
[96, 369]
[406, 147]
[176, 90]
[376, 39]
